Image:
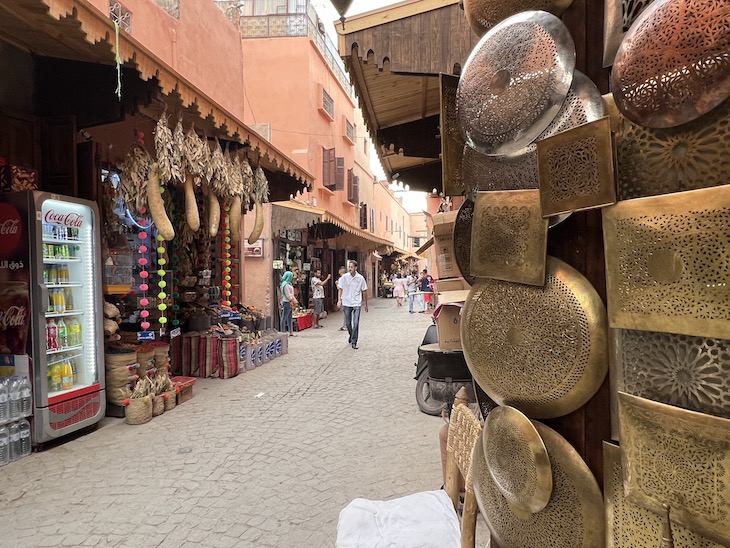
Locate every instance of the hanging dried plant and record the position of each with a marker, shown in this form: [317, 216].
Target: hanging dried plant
[195, 154]
[135, 171]
[261, 186]
[247, 174]
[164, 149]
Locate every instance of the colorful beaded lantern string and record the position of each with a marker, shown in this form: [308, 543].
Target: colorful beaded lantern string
[161, 284]
[226, 255]
[144, 275]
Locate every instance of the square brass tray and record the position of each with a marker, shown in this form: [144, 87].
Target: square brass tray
[576, 169]
[668, 263]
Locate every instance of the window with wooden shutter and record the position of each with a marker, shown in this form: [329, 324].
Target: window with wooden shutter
[339, 173]
[372, 220]
[328, 168]
[355, 189]
[364, 216]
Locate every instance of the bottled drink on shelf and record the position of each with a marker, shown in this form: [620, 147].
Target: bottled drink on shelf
[62, 334]
[4, 401]
[69, 298]
[75, 373]
[58, 251]
[59, 301]
[73, 250]
[53, 274]
[74, 331]
[51, 335]
[54, 374]
[15, 411]
[4, 445]
[67, 374]
[63, 274]
[24, 431]
[14, 432]
[26, 397]
[61, 233]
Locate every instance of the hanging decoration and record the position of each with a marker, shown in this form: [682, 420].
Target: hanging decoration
[144, 276]
[161, 284]
[226, 256]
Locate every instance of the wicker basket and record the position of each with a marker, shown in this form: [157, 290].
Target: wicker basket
[158, 405]
[171, 400]
[146, 359]
[139, 410]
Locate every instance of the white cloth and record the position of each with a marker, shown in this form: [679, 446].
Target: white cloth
[352, 288]
[422, 520]
[317, 290]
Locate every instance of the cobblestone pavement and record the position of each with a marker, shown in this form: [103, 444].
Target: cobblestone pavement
[266, 459]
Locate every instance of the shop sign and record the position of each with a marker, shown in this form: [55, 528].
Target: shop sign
[146, 336]
[294, 235]
[307, 267]
[277, 264]
[175, 333]
[255, 249]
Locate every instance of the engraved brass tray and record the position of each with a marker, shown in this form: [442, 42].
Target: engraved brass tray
[673, 65]
[514, 82]
[517, 460]
[482, 15]
[573, 518]
[509, 237]
[542, 350]
[689, 372]
[630, 525]
[452, 143]
[688, 157]
[680, 458]
[667, 263]
[619, 15]
[462, 239]
[576, 169]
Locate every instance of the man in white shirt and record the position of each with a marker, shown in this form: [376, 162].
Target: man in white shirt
[318, 295]
[352, 294]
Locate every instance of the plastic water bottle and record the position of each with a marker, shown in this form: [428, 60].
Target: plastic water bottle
[25, 446]
[15, 413]
[4, 445]
[14, 442]
[26, 397]
[4, 402]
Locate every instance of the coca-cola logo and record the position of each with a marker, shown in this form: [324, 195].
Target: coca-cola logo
[65, 219]
[12, 317]
[11, 228]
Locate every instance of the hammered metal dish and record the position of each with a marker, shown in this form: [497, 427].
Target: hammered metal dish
[542, 350]
[482, 15]
[452, 143]
[677, 457]
[517, 459]
[667, 263]
[619, 15]
[673, 65]
[660, 161]
[630, 525]
[689, 372]
[573, 518]
[509, 237]
[576, 169]
[514, 82]
[462, 239]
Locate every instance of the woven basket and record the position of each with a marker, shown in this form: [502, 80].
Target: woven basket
[119, 361]
[158, 405]
[146, 361]
[139, 410]
[171, 400]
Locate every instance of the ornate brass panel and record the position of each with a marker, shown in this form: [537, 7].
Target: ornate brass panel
[514, 82]
[680, 458]
[673, 65]
[630, 525]
[509, 237]
[688, 157]
[576, 169]
[573, 518]
[517, 460]
[452, 143]
[542, 350]
[618, 18]
[689, 372]
[462, 239]
[482, 15]
[667, 266]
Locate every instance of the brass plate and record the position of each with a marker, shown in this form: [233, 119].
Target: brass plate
[482, 15]
[576, 169]
[688, 157]
[689, 372]
[462, 239]
[509, 237]
[452, 143]
[667, 264]
[517, 459]
[673, 65]
[680, 458]
[619, 15]
[628, 525]
[542, 350]
[573, 518]
[514, 82]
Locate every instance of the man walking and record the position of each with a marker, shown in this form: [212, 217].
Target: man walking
[318, 295]
[352, 293]
[412, 285]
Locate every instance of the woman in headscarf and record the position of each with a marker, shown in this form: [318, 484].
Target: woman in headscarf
[287, 302]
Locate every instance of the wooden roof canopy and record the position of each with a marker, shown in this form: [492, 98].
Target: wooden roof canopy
[394, 56]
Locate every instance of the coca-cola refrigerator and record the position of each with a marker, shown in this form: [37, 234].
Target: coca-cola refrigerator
[51, 306]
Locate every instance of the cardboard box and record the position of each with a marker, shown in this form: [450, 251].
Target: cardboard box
[449, 297]
[443, 241]
[16, 178]
[448, 325]
[450, 284]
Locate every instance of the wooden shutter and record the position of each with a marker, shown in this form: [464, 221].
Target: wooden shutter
[355, 189]
[328, 167]
[364, 216]
[350, 177]
[340, 173]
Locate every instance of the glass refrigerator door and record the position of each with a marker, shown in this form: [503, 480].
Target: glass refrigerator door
[70, 322]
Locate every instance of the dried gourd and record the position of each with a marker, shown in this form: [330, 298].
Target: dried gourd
[157, 206]
[260, 196]
[192, 216]
[214, 214]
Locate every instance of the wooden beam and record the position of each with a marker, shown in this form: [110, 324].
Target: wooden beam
[424, 96]
[356, 70]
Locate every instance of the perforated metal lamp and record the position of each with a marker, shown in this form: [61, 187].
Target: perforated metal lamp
[342, 6]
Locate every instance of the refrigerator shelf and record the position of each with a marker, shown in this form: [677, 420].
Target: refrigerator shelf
[62, 286]
[65, 350]
[67, 313]
[71, 357]
[48, 260]
[57, 241]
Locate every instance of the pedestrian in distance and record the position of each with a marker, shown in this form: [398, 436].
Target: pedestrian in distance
[424, 286]
[288, 302]
[412, 285]
[399, 289]
[318, 295]
[342, 272]
[352, 295]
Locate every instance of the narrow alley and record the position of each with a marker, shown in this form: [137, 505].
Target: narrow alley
[266, 459]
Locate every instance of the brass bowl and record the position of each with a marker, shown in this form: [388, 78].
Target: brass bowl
[482, 15]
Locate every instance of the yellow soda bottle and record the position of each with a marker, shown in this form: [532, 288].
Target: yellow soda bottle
[67, 374]
[55, 374]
